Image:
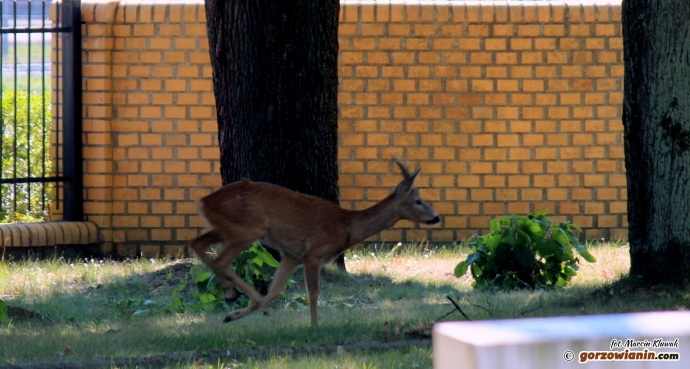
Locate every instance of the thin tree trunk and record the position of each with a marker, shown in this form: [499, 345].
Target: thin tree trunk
[656, 116]
[275, 82]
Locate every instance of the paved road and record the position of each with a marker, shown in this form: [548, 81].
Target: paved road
[23, 69]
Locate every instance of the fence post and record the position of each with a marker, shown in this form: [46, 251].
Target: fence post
[72, 112]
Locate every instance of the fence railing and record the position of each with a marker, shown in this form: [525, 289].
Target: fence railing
[40, 156]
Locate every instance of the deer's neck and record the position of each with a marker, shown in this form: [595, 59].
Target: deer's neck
[368, 222]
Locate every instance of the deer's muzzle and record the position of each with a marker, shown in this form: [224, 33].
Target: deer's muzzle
[433, 221]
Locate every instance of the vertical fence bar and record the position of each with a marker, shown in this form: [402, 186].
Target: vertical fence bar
[71, 111]
[2, 97]
[58, 112]
[14, 115]
[43, 106]
[28, 111]
[18, 184]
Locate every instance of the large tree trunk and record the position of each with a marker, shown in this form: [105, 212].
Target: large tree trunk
[656, 116]
[275, 81]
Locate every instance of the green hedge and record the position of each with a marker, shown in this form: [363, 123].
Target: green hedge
[31, 138]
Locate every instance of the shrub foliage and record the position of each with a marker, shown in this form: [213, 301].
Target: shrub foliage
[255, 266]
[25, 152]
[524, 252]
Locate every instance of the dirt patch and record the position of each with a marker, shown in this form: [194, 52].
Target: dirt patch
[170, 276]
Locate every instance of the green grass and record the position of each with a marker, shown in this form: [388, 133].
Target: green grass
[22, 52]
[24, 82]
[22, 57]
[410, 358]
[111, 309]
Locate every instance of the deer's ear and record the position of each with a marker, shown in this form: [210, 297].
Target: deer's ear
[407, 184]
[403, 168]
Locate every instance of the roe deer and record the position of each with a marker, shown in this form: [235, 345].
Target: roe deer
[305, 229]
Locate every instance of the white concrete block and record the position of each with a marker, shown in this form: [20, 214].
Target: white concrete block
[542, 343]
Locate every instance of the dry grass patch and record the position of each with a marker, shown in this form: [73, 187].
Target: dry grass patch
[105, 309]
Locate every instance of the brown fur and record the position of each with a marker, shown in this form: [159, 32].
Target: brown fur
[306, 229]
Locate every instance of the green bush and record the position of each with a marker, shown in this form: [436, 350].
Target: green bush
[524, 252]
[255, 266]
[32, 142]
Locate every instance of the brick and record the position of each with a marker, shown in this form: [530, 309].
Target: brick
[519, 154]
[495, 44]
[494, 181]
[414, 153]
[556, 194]
[544, 181]
[545, 44]
[533, 85]
[507, 168]
[525, 71]
[417, 44]
[532, 167]
[475, 98]
[506, 195]
[594, 180]
[608, 221]
[519, 181]
[568, 208]
[495, 154]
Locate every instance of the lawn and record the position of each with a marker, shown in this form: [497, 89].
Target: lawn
[22, 53]
[101, 309]
[17, 73]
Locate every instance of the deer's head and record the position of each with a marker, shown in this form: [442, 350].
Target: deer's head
[411, 205]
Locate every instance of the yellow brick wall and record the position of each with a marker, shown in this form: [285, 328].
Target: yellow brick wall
[507, 108]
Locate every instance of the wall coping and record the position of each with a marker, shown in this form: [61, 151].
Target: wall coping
[53, 233]
[106, 11]
[385, 2]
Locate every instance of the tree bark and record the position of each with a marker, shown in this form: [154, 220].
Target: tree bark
[275, 82]
[656, 116]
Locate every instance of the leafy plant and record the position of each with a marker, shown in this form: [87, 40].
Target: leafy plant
[253, 266]
[4, 312]
[210, 291]
[524, 252]
[176, 301]
[25, 152]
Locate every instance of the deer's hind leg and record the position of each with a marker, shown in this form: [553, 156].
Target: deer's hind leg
[288, 264]
[224, 261]
[220, 265]
[200, 244]
[239, 223]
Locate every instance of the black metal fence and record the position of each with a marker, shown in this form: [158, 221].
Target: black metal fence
[41, 150]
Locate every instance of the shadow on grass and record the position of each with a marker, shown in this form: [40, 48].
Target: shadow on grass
[630, 294]
[132, 315]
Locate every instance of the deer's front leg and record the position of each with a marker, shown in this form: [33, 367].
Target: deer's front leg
[312, 268]
[288, 264]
